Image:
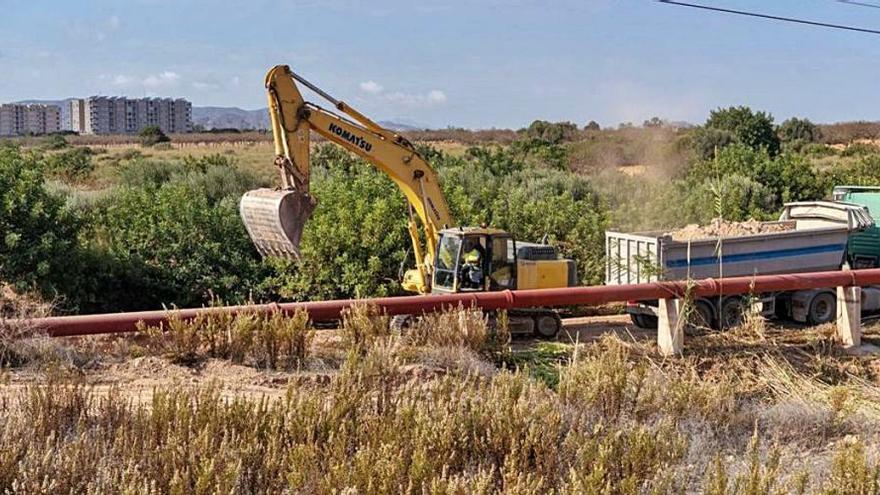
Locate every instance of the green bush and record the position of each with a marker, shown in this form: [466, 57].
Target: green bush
[551, 132]
[708, 141]
[54, 142]
[786, 177]
[71, 166]
[37, 233]
[859, 149]
[738, 125]
[864, 172]
[733, 197]
[818, 150]
[795, 129]
[151, 135]
[356, 240]
[186, 248]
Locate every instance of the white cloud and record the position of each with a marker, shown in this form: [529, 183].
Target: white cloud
[414, 100]
[113, 23]
[436, 96]
[121, 80]
[205, 86]
[163, 79]
[371, 87]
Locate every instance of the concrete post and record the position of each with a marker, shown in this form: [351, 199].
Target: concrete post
[670, 334]
[849, 316]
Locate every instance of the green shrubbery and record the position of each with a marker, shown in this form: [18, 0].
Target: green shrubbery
[151, 135]
[71, 166]
[170, 232]
[38, 235]
[737, 125]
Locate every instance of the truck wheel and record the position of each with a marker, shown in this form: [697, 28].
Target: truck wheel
[823, 308]
[702, 316]
[646, 322]
[732, 313]
[547, 326]
[399, 323]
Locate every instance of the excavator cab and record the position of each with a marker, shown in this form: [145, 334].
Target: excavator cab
[474, 260]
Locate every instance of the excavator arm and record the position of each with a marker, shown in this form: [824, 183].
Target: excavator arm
[275, 218]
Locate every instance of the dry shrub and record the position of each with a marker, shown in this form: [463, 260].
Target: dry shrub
[362, 325]
[370, 431]
[852, 472]
[273, 340]
[617, 382]
[462, 328]
[23, 344]
[760, 477]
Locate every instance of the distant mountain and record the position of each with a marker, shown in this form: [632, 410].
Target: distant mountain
[236, 118]
[230, 118]
[404, 125]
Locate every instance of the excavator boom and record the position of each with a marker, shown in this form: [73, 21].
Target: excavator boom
[275, 217]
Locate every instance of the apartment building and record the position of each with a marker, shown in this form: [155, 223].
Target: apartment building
[120, 115]
[20, 119]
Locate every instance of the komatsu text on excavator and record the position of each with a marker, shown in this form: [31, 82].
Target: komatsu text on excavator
[448, 258]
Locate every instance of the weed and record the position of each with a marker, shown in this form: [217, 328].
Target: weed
[362, 326]
[271, 341]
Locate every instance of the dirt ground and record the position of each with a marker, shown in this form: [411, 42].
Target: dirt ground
[136, 378]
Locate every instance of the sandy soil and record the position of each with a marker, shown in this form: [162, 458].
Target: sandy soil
[722, 228]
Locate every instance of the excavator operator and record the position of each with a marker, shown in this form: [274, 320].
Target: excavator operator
[472, 269]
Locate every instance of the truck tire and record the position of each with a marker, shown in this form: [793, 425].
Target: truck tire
[823, 309]
[703, 316]
[732, 313]
[547, 326]
[400, 323]
[646, 322]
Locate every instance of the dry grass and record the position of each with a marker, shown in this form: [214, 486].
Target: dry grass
[756, 410]
[264, 341]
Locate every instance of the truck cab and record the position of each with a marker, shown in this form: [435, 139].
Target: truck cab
[863, 250]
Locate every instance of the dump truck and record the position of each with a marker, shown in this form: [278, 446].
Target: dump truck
[809, 236]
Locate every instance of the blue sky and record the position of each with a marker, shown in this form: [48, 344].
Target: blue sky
[476, 64]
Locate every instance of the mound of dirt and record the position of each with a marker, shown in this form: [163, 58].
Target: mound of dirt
[722, 228]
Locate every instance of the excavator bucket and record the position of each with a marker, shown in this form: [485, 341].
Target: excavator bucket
[275, 219]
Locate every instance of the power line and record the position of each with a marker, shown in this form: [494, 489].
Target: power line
[860, 4]
[772, 17]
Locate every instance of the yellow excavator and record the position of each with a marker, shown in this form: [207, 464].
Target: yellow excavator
[450, 259]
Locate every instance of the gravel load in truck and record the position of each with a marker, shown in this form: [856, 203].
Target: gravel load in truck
[723, 228]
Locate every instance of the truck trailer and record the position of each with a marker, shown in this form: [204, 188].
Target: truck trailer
[809, 236]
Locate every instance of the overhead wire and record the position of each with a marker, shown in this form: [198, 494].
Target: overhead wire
[772, 17]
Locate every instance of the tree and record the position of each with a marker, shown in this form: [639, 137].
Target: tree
[551, 132]
[592, 126]
[653, 122]
[787, 177]
[753, 129]
[799, 130]
[152, 134]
